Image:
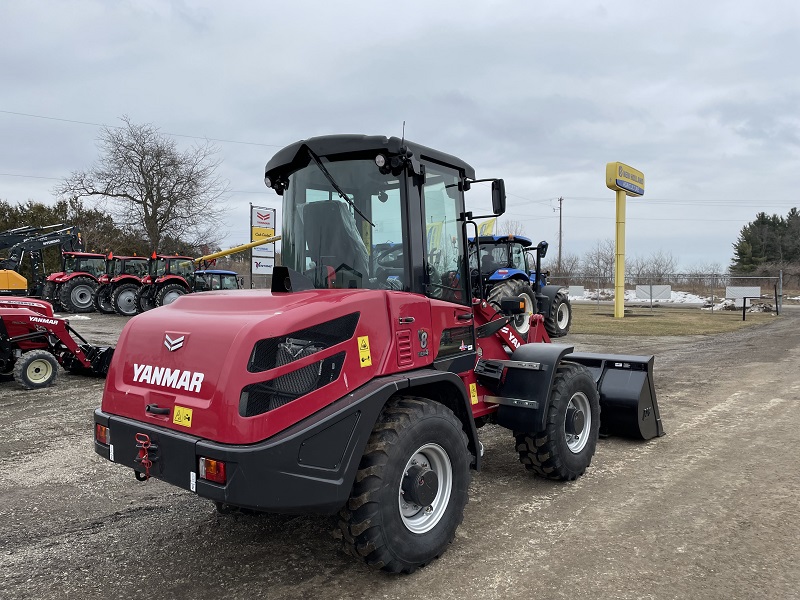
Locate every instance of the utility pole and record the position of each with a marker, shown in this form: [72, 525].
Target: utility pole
[560, 201]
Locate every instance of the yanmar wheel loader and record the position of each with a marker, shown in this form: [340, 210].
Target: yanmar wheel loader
[357, 385]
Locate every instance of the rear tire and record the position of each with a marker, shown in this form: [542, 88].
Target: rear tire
[144, 301]
[565, 448]
[123, 299]
[76, 294]
[102, 300]
[50, 293]
[384, 522]
[559, 320]
[508, 289]
[169, 293]
[36, 369]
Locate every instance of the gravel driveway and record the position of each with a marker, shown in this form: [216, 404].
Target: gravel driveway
[711, 510]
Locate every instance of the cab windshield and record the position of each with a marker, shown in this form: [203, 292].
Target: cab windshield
[338, 243]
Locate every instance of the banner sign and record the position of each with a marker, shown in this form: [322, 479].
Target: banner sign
[262, 225]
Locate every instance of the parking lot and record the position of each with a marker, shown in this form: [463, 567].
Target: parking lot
[711, 510]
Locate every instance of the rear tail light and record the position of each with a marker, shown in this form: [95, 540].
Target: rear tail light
[212, 470]
[101, 434]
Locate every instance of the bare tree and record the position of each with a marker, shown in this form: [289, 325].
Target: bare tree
[598, 263]
[512, 227]
[570, 266]
[150, 186]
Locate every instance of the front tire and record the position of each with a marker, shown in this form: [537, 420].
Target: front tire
[508, 289]
[559, 320]
[77, 293]
[411, 487]
[102, 300]
[565, 448]
[169, 293]
[144, 299]
[36, 369]
[123, 299]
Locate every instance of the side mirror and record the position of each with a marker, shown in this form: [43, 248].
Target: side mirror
[498, 197]
[541, 249]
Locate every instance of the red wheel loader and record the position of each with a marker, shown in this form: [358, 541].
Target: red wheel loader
[356, 387]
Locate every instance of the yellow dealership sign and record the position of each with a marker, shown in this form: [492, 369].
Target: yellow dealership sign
[621, 177]
[260, 233]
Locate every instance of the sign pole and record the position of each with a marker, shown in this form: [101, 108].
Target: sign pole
[251, 250]
[625, 181]
[619, 263]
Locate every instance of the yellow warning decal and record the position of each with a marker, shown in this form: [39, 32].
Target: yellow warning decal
[182, 416]
[363, 351]
[473, 393]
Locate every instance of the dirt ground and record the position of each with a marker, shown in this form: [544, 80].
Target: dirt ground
[711, 510]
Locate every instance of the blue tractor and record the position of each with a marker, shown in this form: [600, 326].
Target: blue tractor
[507, 268]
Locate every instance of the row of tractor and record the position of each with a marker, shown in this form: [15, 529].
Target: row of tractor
[90, 281]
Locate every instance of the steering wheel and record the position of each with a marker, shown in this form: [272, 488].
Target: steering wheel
[391, 258]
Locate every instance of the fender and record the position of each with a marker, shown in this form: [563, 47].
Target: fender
[523, 384]
[172, 279]
[70, 276]
[545, 297]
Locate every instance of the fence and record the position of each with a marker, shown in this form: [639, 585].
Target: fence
[709, 287]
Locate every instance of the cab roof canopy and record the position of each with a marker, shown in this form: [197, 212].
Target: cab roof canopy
[294, 155]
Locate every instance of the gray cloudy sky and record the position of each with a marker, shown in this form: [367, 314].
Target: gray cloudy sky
[702, 97]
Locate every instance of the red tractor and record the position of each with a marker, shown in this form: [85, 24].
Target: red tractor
[356, 387]
[119, 284]
[33, 343]
[167, 278]
[72, 289]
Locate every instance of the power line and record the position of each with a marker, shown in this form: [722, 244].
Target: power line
[193, 137]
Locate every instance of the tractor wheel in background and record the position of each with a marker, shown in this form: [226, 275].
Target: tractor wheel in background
[102, 300]
[169, 293]
[565, 448]
[144, 301]
[411, 487]
[515, 287]
[558, 322]
[49, 292]
[76, 294]
[36, 369]
[123, 299]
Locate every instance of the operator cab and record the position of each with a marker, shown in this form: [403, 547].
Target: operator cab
[370, 212]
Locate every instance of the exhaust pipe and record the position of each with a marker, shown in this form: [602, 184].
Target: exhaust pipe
[628, 405]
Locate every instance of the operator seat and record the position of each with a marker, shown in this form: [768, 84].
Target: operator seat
[333, 240]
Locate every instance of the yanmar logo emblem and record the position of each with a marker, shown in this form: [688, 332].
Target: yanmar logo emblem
[169, 378]
[175, 344]
[43, 320]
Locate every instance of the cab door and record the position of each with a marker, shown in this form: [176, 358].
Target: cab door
[446, 277]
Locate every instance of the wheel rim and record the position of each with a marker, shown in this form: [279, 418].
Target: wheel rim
[421, 519]
[579, 403]
[170, 297]
[126, 302]
[81, 296]
[522, 323]
[562, 316]
[39, 370]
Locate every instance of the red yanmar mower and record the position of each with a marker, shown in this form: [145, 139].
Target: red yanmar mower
[33, 343]
[357, 385]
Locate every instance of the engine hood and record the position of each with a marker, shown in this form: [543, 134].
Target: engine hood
[202, 356]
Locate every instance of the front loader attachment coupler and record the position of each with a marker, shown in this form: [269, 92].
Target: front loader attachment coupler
[628, 405]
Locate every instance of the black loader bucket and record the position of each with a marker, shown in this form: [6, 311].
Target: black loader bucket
[628, 404]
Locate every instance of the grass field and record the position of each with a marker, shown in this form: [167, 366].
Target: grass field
[589, 318]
